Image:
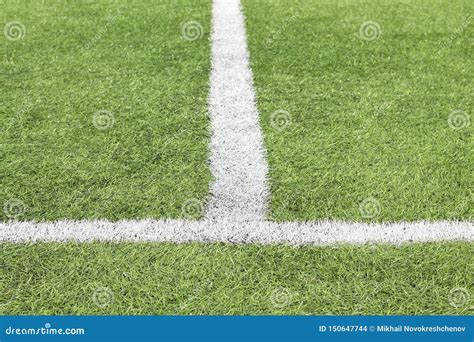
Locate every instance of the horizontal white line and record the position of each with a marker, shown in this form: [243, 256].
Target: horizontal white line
[291, 233]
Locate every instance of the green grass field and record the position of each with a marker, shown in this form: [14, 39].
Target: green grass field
[368, 119]
[147, 156]
[229, 279]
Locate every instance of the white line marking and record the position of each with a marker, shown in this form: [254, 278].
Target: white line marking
[238, 161]
[292, 233]
[238, 199]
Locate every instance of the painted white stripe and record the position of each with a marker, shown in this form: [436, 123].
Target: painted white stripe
[238, 161]
[238, 199]
[292, 233]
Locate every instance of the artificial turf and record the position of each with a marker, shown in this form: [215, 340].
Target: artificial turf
[362, 128]
[125, 60]
[368, 119]
[234, 279]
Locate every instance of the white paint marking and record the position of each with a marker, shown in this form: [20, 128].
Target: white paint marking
[292, 233]
[238, 161]
[238, 199]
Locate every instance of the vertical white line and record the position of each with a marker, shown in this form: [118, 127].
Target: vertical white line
[238, 159]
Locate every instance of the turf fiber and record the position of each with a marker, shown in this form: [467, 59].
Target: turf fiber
[357, 125]
[127, 64]
[233, 279]
[368, 120]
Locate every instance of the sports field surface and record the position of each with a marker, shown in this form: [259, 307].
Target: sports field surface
[350, 116]
[235, 279]
[236, 157]
[103, 118]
